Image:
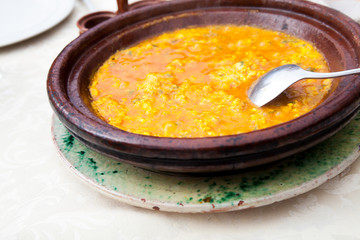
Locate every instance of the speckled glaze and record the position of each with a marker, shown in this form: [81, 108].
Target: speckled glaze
[292, 176]
[336, 35]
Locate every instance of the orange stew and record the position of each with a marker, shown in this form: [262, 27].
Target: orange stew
[193, 82]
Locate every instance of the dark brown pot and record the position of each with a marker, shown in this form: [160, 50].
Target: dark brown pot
[336, 35]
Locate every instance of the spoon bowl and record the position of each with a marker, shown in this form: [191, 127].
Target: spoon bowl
[273, 83]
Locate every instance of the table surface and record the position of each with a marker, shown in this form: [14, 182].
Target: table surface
[41, 199]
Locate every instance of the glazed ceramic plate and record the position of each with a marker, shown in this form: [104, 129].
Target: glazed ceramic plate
[253, 188]
[22, 19]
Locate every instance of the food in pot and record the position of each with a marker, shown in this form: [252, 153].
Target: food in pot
[192, 82]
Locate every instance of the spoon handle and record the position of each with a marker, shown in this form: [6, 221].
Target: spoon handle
[332, 74]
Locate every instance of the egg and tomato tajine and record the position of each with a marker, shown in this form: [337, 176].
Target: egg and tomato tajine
[193, 82]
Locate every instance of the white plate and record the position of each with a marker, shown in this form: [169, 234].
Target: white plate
[22, 19]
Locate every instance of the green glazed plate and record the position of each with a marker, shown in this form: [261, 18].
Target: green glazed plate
[285, 179]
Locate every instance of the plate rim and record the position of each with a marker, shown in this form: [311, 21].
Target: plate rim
[65, 7]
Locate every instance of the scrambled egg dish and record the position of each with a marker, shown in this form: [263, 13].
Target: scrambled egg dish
[192, 82]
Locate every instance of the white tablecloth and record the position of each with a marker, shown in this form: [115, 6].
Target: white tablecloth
[41, 199]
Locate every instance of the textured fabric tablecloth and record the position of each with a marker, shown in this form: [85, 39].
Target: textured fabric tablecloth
[41, 199]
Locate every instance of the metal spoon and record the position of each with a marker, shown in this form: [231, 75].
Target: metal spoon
[277, 80]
